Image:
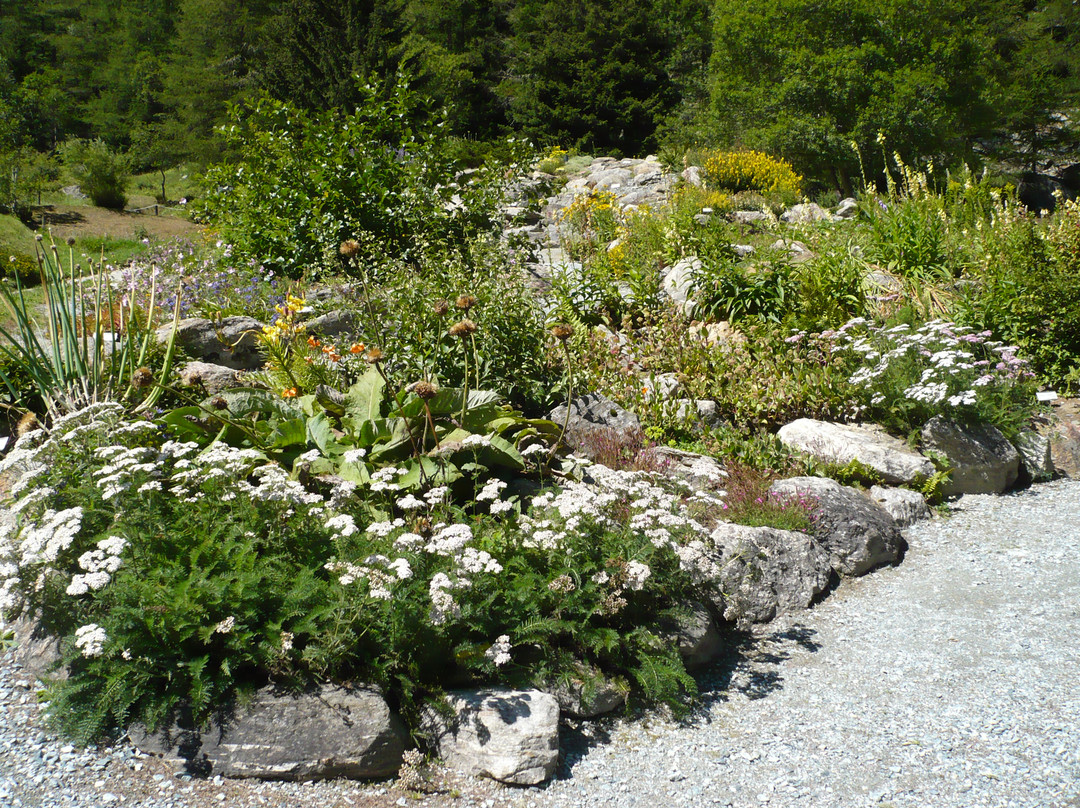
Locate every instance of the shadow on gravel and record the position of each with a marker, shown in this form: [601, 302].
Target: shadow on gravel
[750, 665]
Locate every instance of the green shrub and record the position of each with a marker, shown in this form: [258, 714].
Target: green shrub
[766, 292]
[908, 375]
[306, 181]
[101, 173]
[1028, 293]
[22, 268]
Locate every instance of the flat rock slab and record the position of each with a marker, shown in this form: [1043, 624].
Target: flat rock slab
[857, 533]
[336, 732]
[766, 572]
[982, 459]
[508, 735]
[871, 446]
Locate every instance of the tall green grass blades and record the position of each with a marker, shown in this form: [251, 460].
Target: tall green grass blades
[73, 359]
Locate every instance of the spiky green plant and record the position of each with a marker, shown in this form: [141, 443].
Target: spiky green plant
[66, 356]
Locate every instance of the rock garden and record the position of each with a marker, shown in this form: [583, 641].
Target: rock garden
[524, 445]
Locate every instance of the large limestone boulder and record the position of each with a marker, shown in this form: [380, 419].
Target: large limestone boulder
[847, 209]
[231, 343]
[869, 445]
[210, 377]
[591, 413]
[699, 471]
[332, 324]
[587, 695]
[766, 572]
[904, 505]
[982, 459]
[37, 652]
[1062, 428]
[508, 735]
[679, 279]
[857, 533]
[336, 732]
[695, 634]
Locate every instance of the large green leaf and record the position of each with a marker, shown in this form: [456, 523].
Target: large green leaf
[321, 433]
[364, 399]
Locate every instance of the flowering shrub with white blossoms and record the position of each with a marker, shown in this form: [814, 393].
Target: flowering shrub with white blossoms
[908, 375]
[179, 577]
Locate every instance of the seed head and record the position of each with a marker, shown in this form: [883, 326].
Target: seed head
[70, 241]
[141, 378]
[462, 328]
[373, 355]
[28, 423]
[219, 403]
[441, 307]
[465, 302]
[562, 332]
[350, 248]
[425, 390]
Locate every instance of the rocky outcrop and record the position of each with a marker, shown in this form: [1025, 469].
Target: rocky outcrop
[805, 213]
[336, 732]
[332, 324]
[847, 209]
[857, 533]
[869, 445]
[982, 459]
[231, 343]
[1036, 460]
[699, 471]
[766, 572]
[36, 651]
[904, 505]
[508, 735]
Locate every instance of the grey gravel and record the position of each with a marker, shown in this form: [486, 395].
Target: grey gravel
[950, 680]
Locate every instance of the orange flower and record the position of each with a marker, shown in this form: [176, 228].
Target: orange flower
[292, 392]
[313, 343]
[356, 347]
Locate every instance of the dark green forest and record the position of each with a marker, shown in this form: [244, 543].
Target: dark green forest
[818, 82]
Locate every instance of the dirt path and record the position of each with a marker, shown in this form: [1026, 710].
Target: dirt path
[84, 220]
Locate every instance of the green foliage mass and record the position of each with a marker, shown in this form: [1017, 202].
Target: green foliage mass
[304, 182]
[813, 81]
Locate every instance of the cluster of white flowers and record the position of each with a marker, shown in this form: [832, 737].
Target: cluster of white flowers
[341, 525]
[382, 479]
[9, 595]
[275, 486]
[225, 626]
[476, 441]
[90, 640]
[44, 539]
[947, 353]
[443, 605]
[98, 566]
[499, 652]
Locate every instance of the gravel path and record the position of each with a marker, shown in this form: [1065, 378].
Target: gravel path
[952, 680]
